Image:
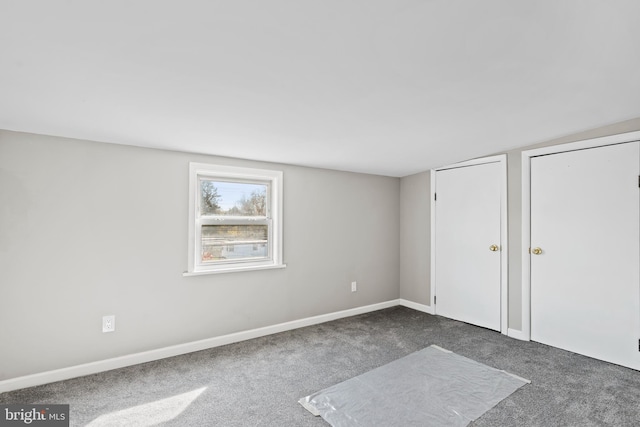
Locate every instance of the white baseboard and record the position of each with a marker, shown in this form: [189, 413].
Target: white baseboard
[176, 350]
[416, 306]
[519, 335]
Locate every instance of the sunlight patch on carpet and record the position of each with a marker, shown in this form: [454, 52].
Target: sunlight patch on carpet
[432, 386]
[149, 414]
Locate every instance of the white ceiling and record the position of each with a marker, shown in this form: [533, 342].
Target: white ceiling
[390, 87]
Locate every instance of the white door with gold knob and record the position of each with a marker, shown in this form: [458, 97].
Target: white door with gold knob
[585, 290]
[468, 242]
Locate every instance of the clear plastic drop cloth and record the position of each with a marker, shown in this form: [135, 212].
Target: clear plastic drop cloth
[431, 387]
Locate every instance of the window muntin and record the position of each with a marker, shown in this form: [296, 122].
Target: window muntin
[235, 221]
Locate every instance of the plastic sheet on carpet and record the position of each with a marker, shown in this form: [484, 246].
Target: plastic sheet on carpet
[431, 387]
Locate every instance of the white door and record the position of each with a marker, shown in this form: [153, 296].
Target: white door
[585, 252]
[467, 244]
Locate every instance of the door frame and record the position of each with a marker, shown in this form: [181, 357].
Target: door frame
[526, 208]
[504, 249]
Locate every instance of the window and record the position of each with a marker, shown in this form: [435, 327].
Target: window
[235, 220]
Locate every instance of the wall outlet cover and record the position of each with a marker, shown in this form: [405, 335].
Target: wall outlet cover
[108, 323]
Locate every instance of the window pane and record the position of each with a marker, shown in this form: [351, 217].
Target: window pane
[221, 242]
[232, 198]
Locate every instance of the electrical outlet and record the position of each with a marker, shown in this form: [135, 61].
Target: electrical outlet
[354, 286]
[108, 323]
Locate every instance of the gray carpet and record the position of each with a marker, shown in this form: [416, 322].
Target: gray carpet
[259, 382]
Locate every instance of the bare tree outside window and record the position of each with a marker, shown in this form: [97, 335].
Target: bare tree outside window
[233, 198]
[209, 198]
[254, 205]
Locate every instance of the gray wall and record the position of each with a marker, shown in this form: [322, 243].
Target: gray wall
[89, 229]
[415, 237]
[415, 215]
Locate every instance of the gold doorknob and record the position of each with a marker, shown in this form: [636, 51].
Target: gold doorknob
[536, 251]
[494, 248]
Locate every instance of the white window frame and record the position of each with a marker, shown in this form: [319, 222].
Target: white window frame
[273, 179]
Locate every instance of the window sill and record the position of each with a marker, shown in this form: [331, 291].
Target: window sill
[233, 270]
